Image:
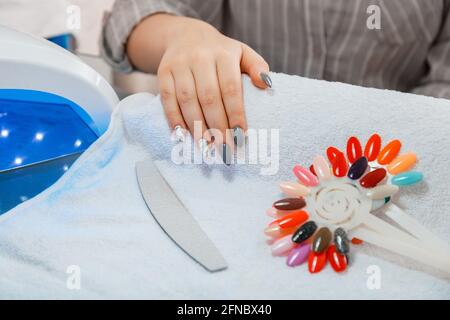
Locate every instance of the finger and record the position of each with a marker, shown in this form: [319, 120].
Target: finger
[256, 67]
[229, 75]
[187, 100]
[169, 100]
[209, 96]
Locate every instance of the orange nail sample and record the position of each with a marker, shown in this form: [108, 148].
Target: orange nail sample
[274, 231]
[389, 152]
[292, 220]
[340, 165]
[354, 149]
[373, 147]
[402, 163]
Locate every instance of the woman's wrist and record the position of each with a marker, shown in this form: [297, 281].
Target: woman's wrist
[153, 35]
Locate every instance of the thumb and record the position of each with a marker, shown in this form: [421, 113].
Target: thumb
[256, 67]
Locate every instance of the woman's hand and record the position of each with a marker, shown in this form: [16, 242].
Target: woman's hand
[199, 75]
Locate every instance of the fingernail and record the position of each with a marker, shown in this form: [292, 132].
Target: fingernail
[266, 78]
[226, 154]
[178, 134]
[204, 148]
[239, 137]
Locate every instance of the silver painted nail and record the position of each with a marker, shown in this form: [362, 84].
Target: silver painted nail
[204, 148]
[178, 134]
[239, 136]
[226, 154]
[266, 78]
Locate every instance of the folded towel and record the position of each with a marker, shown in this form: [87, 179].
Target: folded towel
[93, 220]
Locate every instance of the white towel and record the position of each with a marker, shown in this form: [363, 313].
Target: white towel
[94, 217]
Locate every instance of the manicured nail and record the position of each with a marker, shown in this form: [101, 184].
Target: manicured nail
[239, 137]
[226, 154]
[266, 78]
[178, 134]
[204, 148]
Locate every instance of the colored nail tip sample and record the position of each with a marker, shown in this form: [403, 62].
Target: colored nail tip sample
[407, 178]
[402, 163]
[266, 79]
[373, 147]
[272, 230]
[304, 232]
[311, 168]
[238, 136]
[290, 204]
[340, 165]
[316, 261]
[389, 152]
[337, 260]
[381, 192]
[354, 149]
[292, 220]
[357, 241]
[294, 189]
[282, 246]
[341, 241]
[298, 255]
[321, 168]
[371, 179]
[305, 176]
[321, 240]
[226, 154]
[358, 168]
[332, 152]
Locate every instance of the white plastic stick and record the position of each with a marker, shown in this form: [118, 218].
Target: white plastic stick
[415, 228]
[385, 229]
[425, 256]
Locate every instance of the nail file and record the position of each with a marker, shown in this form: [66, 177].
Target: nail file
[174, 218]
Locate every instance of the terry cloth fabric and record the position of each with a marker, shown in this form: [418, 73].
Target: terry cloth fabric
[94, 223]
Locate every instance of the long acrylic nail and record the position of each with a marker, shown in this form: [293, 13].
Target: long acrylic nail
[266, 78]
[226, 154]
[204, 148]
[238, 136]
[178, 134]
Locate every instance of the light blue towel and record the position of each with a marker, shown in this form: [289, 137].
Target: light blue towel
[94, 223]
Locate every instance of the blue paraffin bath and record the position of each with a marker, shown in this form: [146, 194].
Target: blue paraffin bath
[41, 135]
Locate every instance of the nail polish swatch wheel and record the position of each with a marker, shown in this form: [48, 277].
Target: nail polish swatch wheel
[340, 200]
[341, 203]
